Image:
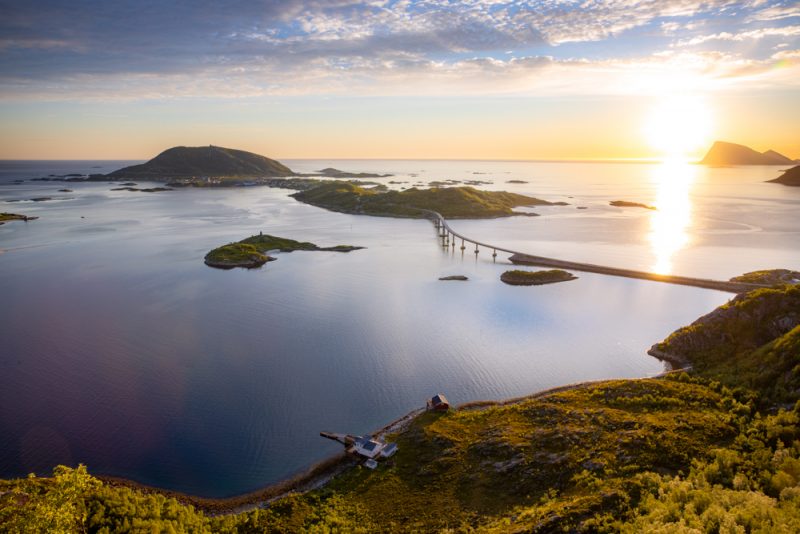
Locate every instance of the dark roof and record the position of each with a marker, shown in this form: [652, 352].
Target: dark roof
[439, 399]
[369, 445]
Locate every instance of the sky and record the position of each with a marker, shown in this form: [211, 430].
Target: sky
[476, 79]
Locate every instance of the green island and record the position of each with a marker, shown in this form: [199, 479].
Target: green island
[714, 448]
[451, 202]
[536, 278]
[250, 253]
[5, 217]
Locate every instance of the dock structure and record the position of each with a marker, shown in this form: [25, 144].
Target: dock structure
[363, 446]
[448, 235]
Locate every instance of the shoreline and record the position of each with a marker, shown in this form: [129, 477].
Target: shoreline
[319, 474]
[313, 477]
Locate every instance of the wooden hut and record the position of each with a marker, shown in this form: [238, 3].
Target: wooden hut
[439, 402]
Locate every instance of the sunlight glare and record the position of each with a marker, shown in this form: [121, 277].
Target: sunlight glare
[670, 221]
[678, 127]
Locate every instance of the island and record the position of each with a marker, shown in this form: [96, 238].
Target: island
[789, 177]
[452, 202]
[536, 278]
[626, 204]
[250, 253]
[330, 172]
[458, 277]
[202, 163]
[5, 217]
[516, 182]
[770, 277]
[717, 443]
[723, 153]
[145, 190]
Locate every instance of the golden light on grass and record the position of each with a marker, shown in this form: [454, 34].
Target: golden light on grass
[669, 223]
[679, 126]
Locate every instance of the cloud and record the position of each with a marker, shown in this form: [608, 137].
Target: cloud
[761, 33]
[242, 49]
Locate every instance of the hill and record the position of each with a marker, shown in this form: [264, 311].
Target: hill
[704, 451]
[789, 177]
[723, 153]
[752, 341]
[202, 161]
[451, 202]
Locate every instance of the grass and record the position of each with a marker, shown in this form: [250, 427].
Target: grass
[451, 202]
[251, 251]
[706, 451]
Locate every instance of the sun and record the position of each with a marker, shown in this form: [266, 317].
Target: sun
[679, 127]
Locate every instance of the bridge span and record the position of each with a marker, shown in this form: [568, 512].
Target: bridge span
[449, 238]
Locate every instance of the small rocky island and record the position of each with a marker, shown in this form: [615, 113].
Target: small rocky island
[251, 252]
[458, 277]
[789, 177]
[145, 190]
[5, 217]
[536, 278]
[626, 204]
[451, 202]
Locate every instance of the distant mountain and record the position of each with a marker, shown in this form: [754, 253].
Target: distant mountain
[211, 161]
[722, 153]
[790, 177]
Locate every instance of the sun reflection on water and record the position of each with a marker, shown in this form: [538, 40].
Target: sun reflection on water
[670, 222]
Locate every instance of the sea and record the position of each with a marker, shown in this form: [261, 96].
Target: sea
[121, 350]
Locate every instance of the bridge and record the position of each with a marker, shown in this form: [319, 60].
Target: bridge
[449, 238]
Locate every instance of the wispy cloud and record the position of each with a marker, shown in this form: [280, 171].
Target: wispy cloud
[237, 48]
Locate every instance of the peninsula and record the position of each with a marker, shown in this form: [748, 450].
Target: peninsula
[251, 252]
[723, 153]
[789, 177]
[451, 202]
[718, 444]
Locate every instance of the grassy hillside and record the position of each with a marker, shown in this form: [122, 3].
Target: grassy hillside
[210, 161]
[451, 202]
[752, 341]
[706, 451]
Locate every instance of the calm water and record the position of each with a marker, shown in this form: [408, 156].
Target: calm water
[120, 349]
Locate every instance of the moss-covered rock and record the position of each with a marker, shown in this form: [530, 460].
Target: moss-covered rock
[536, 278]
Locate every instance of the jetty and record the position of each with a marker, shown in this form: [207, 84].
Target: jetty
[450, 239]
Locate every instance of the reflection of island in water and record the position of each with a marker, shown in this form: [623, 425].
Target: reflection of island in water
[669, 223]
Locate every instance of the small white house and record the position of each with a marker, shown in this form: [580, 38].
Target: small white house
[368, 447]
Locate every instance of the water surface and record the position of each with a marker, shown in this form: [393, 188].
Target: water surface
[121, 350]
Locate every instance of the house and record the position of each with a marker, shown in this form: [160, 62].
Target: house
[367, 447]
[364, 446]
[439, 402]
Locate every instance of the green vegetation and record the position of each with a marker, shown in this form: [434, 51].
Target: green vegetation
[451, 202]
[713, 450]
[752, 341]
[536, 278]
[236, 255]
[250, 252]
[201, 161]
[772, 277]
